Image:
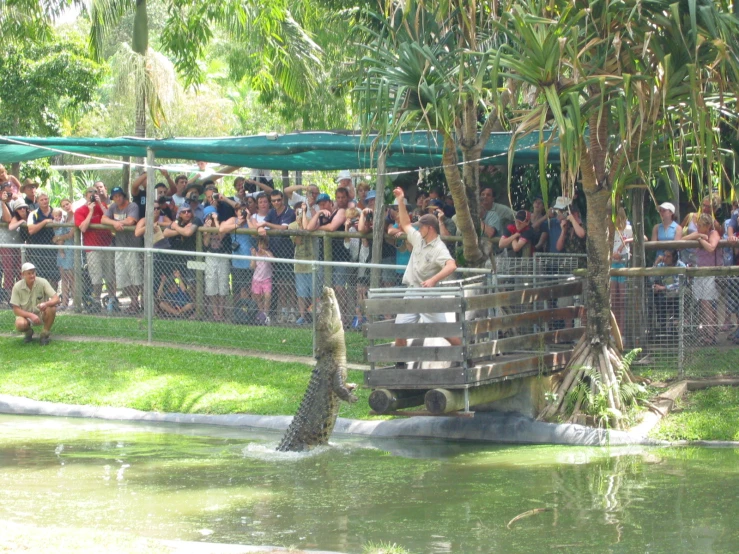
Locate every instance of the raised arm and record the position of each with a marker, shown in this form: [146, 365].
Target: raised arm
[404, 220]
[136, 185]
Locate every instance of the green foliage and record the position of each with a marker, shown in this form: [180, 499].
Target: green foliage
[383, 548]
[43, 83]
[710, 414]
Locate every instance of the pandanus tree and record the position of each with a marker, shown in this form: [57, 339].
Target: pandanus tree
[426, 65]
[630, 90]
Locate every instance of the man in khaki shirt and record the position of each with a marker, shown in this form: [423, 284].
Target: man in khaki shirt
[430, 263]
[34, 302]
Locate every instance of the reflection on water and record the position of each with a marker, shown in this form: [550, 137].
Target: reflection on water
[227, 485]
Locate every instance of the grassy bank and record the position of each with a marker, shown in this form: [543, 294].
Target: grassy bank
[158, 379]
[710, 414]
[296, 341]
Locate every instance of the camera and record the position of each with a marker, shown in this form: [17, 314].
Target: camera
[193, 198]
[298, 213]
[164, 199]
[244, 214]
[95, 198]
[216, 196]
[324, 219]
[250, 187]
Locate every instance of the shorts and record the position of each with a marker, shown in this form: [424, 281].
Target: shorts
[217, 271]
[101, 265]
[440, 317]
[128, 269]
[261, 287]
[618, 279]
[704, 288]
[304, 285]
[241, 278]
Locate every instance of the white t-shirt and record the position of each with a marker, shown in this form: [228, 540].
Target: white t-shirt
[620, 244]
[296, 198]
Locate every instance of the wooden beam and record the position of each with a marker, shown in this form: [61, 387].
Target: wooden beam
[392, 378]
[506, 367]
[523, 296]
[391, 330]
[379, 306]
[516, 320]
[384, 400]
[378, 222]
[389, 353]
[532, 342]
[443, 401]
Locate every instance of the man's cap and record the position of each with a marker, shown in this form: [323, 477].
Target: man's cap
[344, 174]
[522, 215]
[117, 190]
[28, 266]
[430, 220]
[28, 183]
[371, 195]
[161, 186]
[208, 210]
[667, 206]
[323, 197]
[561, 203]
[434, 203]
[184, 208]
[211, 187]
[17, 205]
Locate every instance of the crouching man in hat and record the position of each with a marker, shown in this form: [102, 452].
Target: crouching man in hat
[34, 302]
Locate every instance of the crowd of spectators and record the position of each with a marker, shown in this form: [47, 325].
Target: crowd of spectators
[262, 291]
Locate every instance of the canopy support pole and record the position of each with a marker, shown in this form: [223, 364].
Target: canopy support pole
[149, 243]
[378, 221]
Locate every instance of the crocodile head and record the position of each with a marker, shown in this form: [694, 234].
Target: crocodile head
[329, 316]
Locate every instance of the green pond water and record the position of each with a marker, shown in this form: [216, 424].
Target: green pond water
[226, 485]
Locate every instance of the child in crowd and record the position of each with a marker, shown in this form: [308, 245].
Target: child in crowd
[174, 298]
[359, 251]
[261, 284]
[64, 256]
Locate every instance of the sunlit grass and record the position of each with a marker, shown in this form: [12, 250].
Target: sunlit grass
[158, 379]
[710, 414]
[295, 341]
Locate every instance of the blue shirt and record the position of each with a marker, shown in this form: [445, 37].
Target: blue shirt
[242, 247]
[281, 247]
[555, 230]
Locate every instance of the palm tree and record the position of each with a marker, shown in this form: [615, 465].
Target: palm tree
[427, 65]
[631, 90]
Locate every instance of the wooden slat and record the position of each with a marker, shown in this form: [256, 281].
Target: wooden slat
[523, 296]
[392, 378]
[516, 320]
[425, 413]
[506, 367]
[390, 330]
[523, 342]
[379, 306]
[387, 353]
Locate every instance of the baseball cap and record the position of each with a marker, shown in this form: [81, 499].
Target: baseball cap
[371, 195]
[28, 183]
[323, 197]
[117, 190]
[27, 267]
[668, 206]
[561, 203]
[434, 203]
[184, 208]
[344, 174]
[208, 210]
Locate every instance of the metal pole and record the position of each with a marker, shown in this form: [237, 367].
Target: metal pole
[378, 224]
[149, 243]
[77, 299]
[314, 294]
[681, 327]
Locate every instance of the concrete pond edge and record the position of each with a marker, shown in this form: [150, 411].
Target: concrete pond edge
[493, 427]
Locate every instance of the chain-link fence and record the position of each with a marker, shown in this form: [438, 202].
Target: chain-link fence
[217, 301]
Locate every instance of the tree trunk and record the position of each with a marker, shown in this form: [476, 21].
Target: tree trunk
[465, 223]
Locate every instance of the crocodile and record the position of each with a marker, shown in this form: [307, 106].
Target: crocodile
[316, 417]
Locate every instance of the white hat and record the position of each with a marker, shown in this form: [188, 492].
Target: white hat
[667, 206]
[561, 203]
[344, 174]
[27, 267]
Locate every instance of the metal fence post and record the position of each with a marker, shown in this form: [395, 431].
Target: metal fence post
[681, 327]
[314, 294]
[23, 255]
[199, 277]
[149, 293]
[78, 284]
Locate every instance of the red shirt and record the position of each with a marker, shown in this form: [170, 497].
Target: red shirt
[93, 237]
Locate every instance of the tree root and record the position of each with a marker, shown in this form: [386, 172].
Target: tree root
[600, 368]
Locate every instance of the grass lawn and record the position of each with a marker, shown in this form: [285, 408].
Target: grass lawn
[296, 341]
[158, 379]
[710, 414]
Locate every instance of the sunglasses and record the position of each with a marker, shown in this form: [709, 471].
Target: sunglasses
[185, 211]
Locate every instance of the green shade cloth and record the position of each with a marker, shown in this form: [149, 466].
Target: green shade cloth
[316, 151]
